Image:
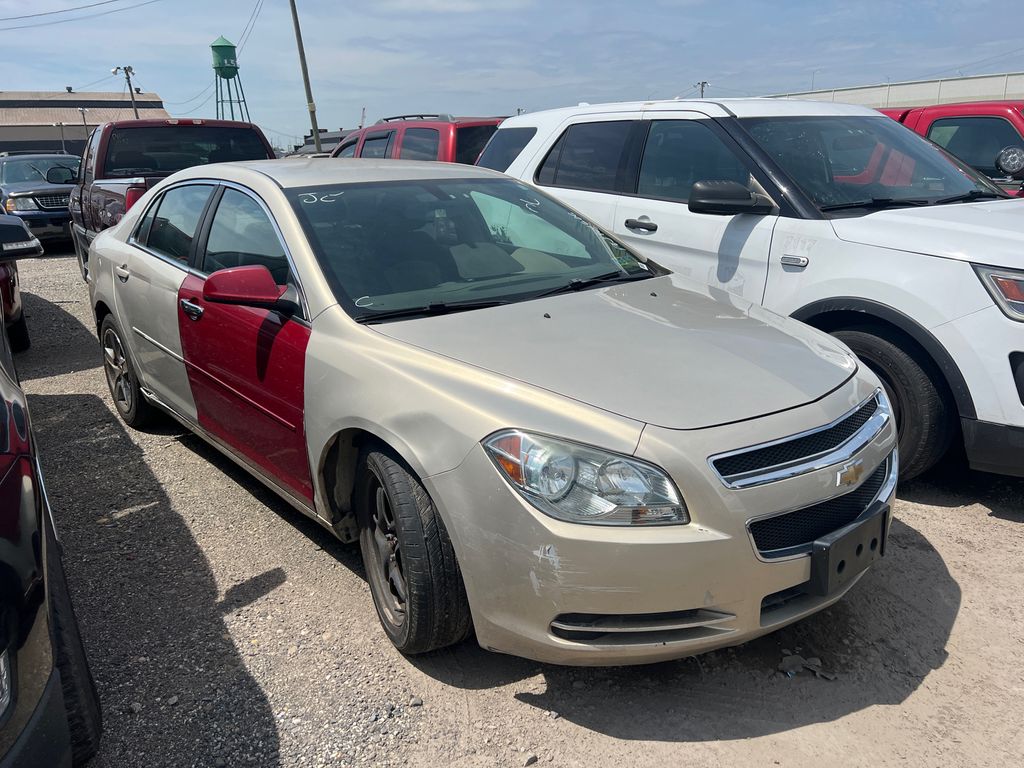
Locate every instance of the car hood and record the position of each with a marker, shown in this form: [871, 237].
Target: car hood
[664, 351]
[37, 188]
[985, 232]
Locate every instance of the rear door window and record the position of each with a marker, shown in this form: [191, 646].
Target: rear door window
[504, 147]
[377, 145]
[164, 149]
[588, 156]
[420, 144]
[470, 141]
[976, 140]
[176, 220]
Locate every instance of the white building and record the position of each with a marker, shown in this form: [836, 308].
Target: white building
[917, 93]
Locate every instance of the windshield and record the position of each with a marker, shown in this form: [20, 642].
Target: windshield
[393, 246]
[162, 150]
[840, 162]
[35, 168]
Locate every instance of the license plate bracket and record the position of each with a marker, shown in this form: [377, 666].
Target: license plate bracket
[839, 557]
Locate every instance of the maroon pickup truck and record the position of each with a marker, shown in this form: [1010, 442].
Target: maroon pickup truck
[988, 135]
[123, 159]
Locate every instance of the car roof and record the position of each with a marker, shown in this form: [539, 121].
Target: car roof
[753, 107]
[292, 172]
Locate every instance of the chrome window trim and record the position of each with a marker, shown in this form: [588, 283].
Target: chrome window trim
[887, 489]
[185, 267]
[842, 452]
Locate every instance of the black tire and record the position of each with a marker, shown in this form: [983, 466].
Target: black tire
[81, 701]
[129, 402]
[17, 334]
[434, 612]
[921, 403]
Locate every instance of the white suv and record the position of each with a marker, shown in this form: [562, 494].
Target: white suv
[833, 214]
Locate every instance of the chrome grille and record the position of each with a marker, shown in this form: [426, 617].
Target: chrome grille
[52, 202]
[804, 452]
[794, 532]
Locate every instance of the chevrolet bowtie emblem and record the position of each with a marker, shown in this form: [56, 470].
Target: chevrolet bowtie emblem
[850, 474]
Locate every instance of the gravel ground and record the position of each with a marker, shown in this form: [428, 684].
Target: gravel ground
[224, 629]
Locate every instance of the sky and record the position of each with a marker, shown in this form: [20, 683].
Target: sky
[492, 57]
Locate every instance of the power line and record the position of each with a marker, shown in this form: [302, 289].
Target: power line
[196, 109]
[247, 32]
[78, 18]
[54, 13]
[197, 96]
[972, 63]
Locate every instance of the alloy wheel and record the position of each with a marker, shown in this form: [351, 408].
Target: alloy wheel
[383, 554]
[115, 365]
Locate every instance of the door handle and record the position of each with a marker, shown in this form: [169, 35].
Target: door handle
[647, 226]
[122, 273]
[194, 311]
[795, 261]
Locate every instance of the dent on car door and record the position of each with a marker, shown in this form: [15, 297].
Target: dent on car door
[727, 252]
[246, 365]
[146, 283]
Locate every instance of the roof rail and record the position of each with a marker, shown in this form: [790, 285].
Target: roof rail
[440, 116]
[16, 152]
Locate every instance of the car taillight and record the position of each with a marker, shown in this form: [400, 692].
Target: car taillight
[17, 493]
[132, 195]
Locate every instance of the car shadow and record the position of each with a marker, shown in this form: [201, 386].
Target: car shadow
[881, 641]
[952, 483]
[173, 685]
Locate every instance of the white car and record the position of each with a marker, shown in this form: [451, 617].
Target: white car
[832, 214]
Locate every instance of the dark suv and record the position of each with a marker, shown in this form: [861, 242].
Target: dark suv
[28, 190]
[421, 137]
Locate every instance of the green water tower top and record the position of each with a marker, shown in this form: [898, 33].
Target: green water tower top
[225, 60]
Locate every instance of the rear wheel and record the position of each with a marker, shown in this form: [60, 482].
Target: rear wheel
[121, 379]
[81, 702]
[921, 404]
[17, 333]
[410, 563]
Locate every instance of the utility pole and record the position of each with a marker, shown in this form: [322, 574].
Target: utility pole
[82, 111]
[128, 72]
[362, 118]
[305, 78]
[702, 85]
[63, 148]
[813, 73]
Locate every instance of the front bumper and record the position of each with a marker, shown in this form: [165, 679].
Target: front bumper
[47, 225]
[997, 448]
[656, 593]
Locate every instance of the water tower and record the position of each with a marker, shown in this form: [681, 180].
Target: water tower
[230, 96]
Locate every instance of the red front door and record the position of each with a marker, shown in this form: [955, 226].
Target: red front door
[246, 367]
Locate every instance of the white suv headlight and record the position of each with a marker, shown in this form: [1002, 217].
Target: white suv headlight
[581, 484]
[1007, 288]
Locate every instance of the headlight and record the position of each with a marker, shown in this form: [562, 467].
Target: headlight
[580, 484]
[1006, 287]
[21, 204]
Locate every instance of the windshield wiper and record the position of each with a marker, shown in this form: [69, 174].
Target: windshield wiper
[578, 284]
[974, 194]
[875, 202]
[435, 308]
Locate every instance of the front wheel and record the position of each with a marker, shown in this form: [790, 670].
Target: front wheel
[921, 406]
[410, 563]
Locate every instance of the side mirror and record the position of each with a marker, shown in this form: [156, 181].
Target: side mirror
[1011, 161]
[16, 242]
[251, 286]
[726, 198]
[58, 174]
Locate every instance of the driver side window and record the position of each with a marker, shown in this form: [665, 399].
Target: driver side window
[679, 153]
[242, 234]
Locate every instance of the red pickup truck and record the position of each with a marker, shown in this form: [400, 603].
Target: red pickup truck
[988, 135]
[125, 158]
